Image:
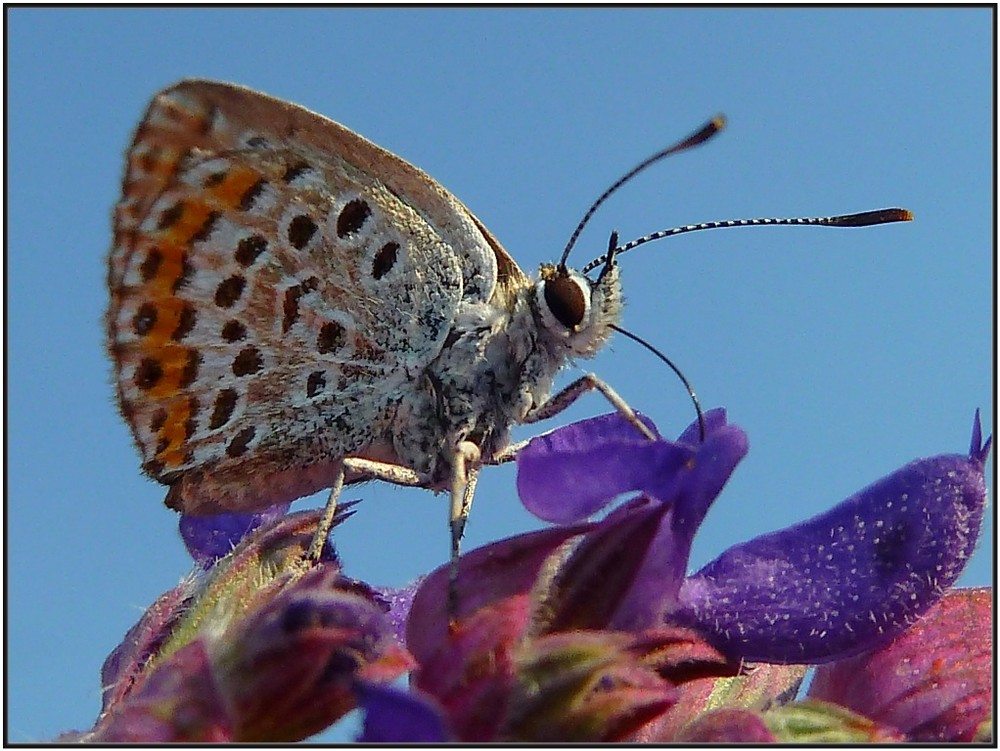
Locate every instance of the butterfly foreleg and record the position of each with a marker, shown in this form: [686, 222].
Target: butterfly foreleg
[506, 454]
[464, 475]
[560, 401]
[367, 469]
[590, 382]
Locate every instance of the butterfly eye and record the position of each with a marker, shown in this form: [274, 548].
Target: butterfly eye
[566, 300]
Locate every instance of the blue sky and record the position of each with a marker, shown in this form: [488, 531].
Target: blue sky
[842, 353]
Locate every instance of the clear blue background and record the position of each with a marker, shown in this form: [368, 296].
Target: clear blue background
[843, 353]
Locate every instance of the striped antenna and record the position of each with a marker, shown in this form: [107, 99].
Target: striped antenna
[705, 132]
[863, 219]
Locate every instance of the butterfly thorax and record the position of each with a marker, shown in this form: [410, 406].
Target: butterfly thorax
[498, 364]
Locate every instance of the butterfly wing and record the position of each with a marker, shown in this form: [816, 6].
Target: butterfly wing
[247, 108]
[275, 280]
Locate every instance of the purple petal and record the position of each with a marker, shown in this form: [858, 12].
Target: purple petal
[589, 588]
[570, 473]
[714, 419]
[566, 475]
[472, 673]
[287, 668]
[850, 579]
[486, 575]
[977, 450]
[657, 583]
[613, 426]
[935, 682]
[179, 702]
[399, 601]
[124, 668]
[209, 538]
[702, 480]
[629, 577]
[396, 716]
[570, 488]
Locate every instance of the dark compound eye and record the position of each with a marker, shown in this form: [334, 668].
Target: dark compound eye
[566, 301]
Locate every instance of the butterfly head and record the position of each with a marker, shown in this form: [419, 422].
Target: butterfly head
[581, 313]
[576, 311]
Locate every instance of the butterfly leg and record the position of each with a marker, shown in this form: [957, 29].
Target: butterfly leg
[369, 469]
[506, 454]
[560, 401]
[464, 475]
[326, 521]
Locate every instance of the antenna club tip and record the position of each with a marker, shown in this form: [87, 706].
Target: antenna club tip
[885, 216]
[870, 218]
[719, 121]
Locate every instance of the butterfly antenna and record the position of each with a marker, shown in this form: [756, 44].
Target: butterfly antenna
[684, 380]
[708, 130]
[863, 219]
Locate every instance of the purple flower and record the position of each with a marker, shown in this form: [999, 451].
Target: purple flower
[177, 702]
[840, 584]
[209, 538]
[127, 663]
[843, 582]
[258, 647]
[850, 579]
[589, 630]
[396, 716]
[496, 681]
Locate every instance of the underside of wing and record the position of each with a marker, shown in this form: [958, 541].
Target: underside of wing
[270, 296]
[484, 259]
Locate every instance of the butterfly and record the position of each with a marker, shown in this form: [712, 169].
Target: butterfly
[294, 308]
